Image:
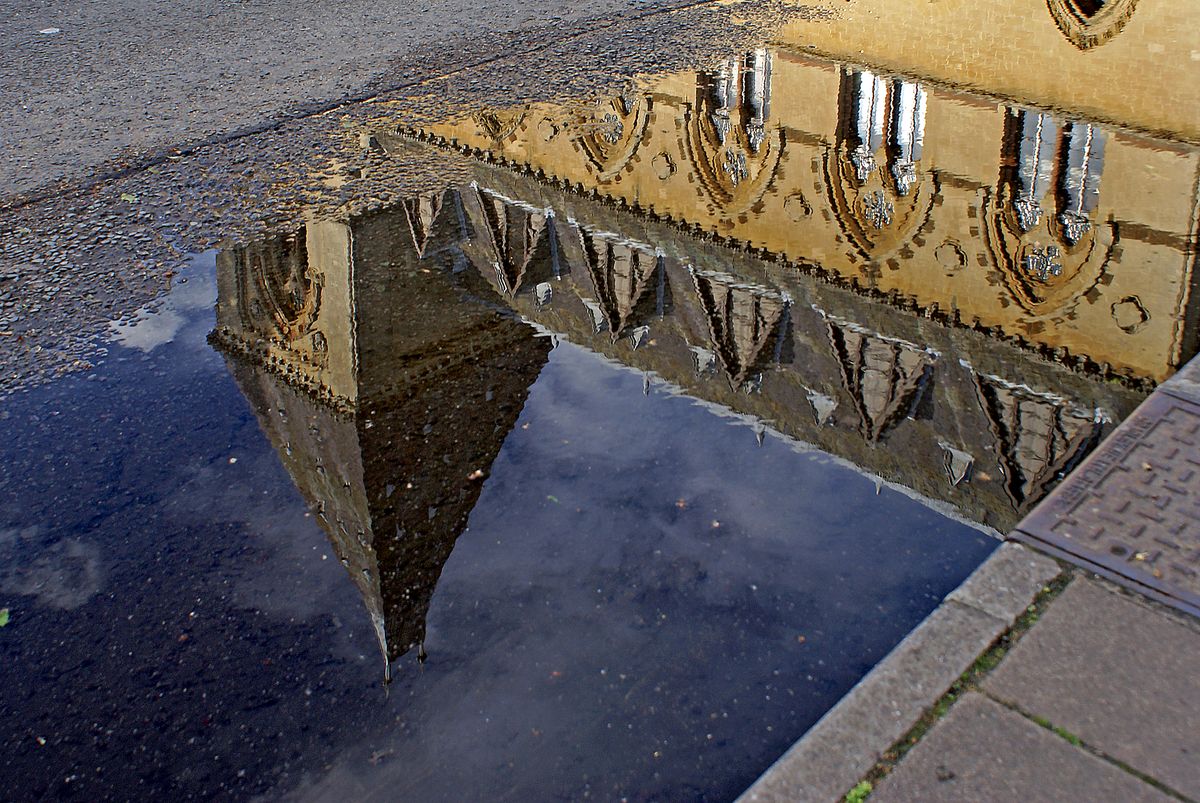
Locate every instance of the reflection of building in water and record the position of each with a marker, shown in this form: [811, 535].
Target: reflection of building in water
[621, 273]
[741, 106]
[878, 111]
[1078, 162]
[511, 235]
[1038, 437]
[390, 424]
[1089, 23]
[742, 320]
[884, 376]
[862, 380]
[988, 214]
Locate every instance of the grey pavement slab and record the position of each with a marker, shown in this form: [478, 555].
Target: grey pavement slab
[1119, 674]
[1186, 382]
[1006, 584]
[847, 741]
[982, 751]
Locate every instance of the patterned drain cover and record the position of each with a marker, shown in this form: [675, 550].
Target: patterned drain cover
[1131, 511]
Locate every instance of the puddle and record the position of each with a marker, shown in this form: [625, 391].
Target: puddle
[601, 462]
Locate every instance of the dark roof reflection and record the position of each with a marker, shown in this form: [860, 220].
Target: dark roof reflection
[390, 434]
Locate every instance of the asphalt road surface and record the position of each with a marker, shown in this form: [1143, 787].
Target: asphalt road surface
[87, 83]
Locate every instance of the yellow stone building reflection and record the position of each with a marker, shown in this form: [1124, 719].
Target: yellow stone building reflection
[1067, 234]
[953, 293]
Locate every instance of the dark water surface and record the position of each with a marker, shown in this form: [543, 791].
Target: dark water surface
[604, 471]
[646, 601]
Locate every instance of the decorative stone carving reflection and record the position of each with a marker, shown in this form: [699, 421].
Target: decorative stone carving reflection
[1091, 23]
[884, 376]
[664, 166]
[1130, 314]
[1041, 263]
[797, 207]
[878, 209]
[957, 463]
[613, 134]
[823, 406]
[1048, 262]
[881, 124]
[499, 126]
[731, 143]
[950, 256]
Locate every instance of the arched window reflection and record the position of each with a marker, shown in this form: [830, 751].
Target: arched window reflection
[1043, 152]
[1081, 180]
[881, 112]
[1035, 166]
[741, 92]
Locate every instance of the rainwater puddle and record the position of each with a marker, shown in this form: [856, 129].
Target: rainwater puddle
[604, 471]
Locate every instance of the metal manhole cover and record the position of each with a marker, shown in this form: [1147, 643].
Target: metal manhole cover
[1131, 511]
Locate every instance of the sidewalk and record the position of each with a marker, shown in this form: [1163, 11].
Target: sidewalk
[1099, 701]
[1045, 681]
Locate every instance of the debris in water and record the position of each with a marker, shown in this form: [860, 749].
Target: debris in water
[3, 617]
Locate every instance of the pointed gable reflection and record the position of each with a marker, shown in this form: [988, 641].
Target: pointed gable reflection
[743, 319]
[621, 272]
[1039, 436]
[421, 213]
[884, 376]
[509, 235]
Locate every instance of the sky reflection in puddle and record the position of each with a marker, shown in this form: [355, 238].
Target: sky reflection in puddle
[638, 449]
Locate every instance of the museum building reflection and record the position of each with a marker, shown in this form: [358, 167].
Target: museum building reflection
[953, 295]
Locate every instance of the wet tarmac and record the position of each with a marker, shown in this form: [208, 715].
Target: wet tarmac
[586, 436]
